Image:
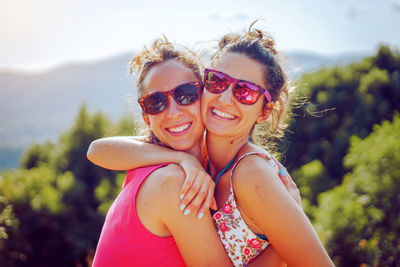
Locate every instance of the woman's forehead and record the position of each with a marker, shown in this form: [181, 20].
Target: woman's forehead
[167, 75]
[241, 67]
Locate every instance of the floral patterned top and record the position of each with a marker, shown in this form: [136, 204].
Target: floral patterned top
[241, 244]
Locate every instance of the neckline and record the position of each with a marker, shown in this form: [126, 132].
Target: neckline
[221, 172]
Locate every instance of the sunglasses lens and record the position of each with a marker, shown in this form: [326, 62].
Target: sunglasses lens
[215, 82]
[155, 103]
[186, 94]
[246, 92]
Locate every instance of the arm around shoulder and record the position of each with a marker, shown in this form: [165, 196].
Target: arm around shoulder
[128, 152]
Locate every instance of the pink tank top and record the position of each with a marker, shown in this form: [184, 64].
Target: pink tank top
[124, 241]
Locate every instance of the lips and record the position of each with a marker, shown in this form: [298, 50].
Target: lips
[179, 129]
[222, 114]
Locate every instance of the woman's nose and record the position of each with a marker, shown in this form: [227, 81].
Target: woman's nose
[174, 109]
[226, 96]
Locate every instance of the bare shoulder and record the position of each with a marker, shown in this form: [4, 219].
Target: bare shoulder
[168, 175]
[162, 186]
[255, 180]
[155, 197]
[253, 170]
[166, 179]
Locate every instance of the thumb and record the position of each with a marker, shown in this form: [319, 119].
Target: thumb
[213, 204]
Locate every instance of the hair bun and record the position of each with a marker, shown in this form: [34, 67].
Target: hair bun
[265, 39]
[269, 44]
[147, 55]
[228, 39]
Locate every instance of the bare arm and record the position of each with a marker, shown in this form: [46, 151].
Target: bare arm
[130, 152]
[269, 257]
[197, 240]
[265, 200]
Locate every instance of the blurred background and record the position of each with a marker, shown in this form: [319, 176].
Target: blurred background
[64, 82]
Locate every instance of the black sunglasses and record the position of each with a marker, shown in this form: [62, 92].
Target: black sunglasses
[184, 94]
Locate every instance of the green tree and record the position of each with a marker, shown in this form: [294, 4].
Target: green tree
[312, 179]
[52, 209]
[343, 101]
[32, 218]
[38, 154]
[359, 221]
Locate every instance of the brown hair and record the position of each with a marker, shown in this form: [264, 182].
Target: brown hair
[259, 46]
[160, 51]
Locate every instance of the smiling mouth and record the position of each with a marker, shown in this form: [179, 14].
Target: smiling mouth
[180, 129]
[222, 114]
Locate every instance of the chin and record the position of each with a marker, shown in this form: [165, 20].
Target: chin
[182, 147]
[218, 129]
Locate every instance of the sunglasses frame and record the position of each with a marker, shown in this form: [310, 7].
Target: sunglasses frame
[141, 100]
[234, 81]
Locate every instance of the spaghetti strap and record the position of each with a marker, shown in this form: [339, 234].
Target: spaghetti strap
[263, 155]
[241, 244]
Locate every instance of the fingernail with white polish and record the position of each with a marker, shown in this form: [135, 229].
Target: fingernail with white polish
[200, 215]
[181, 197]
[186, 212]
[182, 207]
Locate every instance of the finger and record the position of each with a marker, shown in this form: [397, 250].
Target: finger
[284, 178]
[191, 193]
[289, 183]
[206, 203]
[213, 203]
[197, 200]
[190, 177]
[295, 193]
[290, 179]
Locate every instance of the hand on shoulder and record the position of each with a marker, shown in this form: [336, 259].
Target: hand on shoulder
[194, 238]
[163, 185]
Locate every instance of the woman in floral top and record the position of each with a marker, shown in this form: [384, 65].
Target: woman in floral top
[247, 86]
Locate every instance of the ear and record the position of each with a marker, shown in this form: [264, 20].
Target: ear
[265, 113]
[146, 118]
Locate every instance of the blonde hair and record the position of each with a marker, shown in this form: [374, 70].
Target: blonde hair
[160, 51]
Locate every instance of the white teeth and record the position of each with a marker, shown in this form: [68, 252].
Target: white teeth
[180, 128]
[222, 114]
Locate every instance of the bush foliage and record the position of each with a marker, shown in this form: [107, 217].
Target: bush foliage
[52, 209]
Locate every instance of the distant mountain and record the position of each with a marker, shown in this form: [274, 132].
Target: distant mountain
[300, 62]
[37, 107]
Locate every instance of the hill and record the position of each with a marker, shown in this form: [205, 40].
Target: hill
[39, 106]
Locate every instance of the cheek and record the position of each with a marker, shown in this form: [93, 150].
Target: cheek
[251, 112]
[259, 106]
[154, 123]
[195, 110]
[205, 99]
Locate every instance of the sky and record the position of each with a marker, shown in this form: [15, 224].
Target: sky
[40, 34]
